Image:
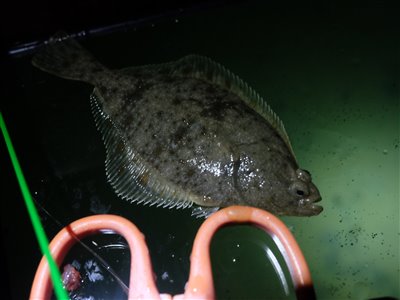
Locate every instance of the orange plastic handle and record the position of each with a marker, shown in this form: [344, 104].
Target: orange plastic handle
[200, 284]
[141, 280]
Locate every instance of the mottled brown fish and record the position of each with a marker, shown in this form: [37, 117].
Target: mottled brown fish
[187, 132]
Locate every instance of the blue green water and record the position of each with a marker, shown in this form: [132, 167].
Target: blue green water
[332, 77]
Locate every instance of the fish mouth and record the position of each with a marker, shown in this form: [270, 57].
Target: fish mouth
[307, 206]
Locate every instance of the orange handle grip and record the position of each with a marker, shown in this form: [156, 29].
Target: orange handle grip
[141, 281]
[200, 284]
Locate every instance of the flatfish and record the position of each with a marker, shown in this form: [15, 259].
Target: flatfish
[187, 133]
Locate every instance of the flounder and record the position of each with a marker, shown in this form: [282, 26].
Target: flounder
[187, 132]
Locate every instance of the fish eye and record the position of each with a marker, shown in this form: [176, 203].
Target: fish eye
[303, 175]
[298, 188]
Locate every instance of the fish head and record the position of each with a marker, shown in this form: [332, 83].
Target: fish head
[297, 194]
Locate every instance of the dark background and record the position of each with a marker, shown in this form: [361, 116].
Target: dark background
[25, 21]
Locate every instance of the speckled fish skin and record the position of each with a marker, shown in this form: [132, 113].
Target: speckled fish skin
[197, 141]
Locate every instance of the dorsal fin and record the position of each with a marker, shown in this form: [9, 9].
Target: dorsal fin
[205, 68]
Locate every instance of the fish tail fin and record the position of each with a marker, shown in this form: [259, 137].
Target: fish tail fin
[65, 57]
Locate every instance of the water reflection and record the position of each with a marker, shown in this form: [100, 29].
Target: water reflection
[103, 268]
[247, 263]
[278, 269]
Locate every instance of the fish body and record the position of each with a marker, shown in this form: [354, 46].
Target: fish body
[187, 132]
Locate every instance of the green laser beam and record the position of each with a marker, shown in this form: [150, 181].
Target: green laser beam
[37, 225]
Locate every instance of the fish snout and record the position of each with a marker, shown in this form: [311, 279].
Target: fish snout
[314, 195]
[307, 205]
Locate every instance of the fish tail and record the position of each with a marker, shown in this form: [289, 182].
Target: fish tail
[65, 57]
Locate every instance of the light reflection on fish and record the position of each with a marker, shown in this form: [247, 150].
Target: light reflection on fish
[187, 132]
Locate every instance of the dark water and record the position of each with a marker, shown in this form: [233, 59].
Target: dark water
[333, 78]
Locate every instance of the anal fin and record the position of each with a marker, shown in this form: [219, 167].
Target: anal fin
[124, 168]
[203, 212]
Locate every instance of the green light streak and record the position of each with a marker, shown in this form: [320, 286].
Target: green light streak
[37, 226]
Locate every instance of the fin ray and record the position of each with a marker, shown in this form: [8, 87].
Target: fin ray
[207, 69]
[203, 212]
[124, 168]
